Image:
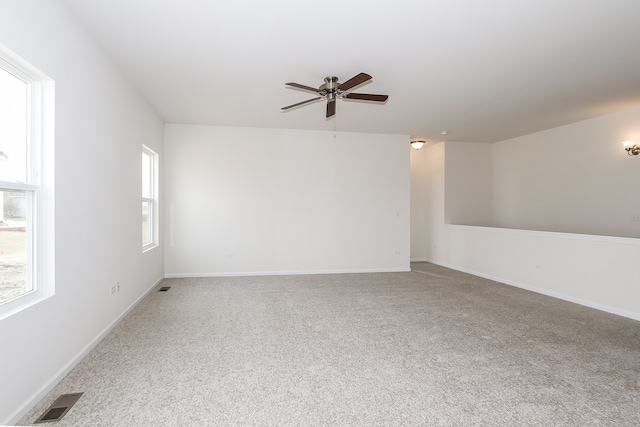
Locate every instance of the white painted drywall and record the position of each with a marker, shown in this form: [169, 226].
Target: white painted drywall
[419, 209]
[596, 271]
[469, 183]
[575, 178]
[101, 123]
[427, 199]
[268, 201]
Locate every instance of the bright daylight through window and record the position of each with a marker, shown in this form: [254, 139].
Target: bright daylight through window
[26, 253]
[149, 198]
[16, 201]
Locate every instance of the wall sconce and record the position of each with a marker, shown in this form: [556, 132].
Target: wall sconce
[632, 148]
[417, 144]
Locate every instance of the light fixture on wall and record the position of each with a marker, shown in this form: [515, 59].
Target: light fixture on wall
[417, 144]
[632, 148]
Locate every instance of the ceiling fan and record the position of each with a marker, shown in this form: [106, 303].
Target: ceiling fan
[332, 90]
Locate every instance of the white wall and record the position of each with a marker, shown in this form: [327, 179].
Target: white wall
[574, 179]
[469, 183]
[596, 271]
[427, 197]
[419, 209]
[101, 123]
[593, 270]
[269, 201]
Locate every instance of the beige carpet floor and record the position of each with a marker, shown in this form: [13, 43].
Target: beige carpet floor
[431, 347]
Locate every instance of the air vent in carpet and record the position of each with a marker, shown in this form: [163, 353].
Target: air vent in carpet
[164, 289]
[59, 408]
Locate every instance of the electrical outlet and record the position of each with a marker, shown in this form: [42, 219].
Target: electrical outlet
[635, 217]
[117, 286]
[229, 254]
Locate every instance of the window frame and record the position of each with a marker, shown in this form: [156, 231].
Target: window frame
[40, 184]
[152, 201]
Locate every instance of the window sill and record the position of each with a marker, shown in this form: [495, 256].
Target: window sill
[16, 305]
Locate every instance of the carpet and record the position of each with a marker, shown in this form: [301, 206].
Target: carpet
[431, 347]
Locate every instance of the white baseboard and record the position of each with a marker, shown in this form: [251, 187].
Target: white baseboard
[55, 379]
[284, 273]
[419, 260]
[580, 301]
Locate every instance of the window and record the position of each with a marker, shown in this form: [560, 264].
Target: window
[26, 184]
[149, 199]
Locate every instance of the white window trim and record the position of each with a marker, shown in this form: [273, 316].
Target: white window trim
[41, 134]
[154, 198]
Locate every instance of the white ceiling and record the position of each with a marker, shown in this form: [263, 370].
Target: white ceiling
[486, 70]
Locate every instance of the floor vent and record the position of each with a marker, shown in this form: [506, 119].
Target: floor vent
[164, 289]
[59, 408]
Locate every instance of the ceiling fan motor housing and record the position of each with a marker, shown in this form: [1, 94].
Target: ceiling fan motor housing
[330, 87]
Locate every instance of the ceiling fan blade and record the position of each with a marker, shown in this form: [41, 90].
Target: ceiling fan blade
[299, 86]
[331, 108]
[301, 103]
[366, 97]
[354, 81]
